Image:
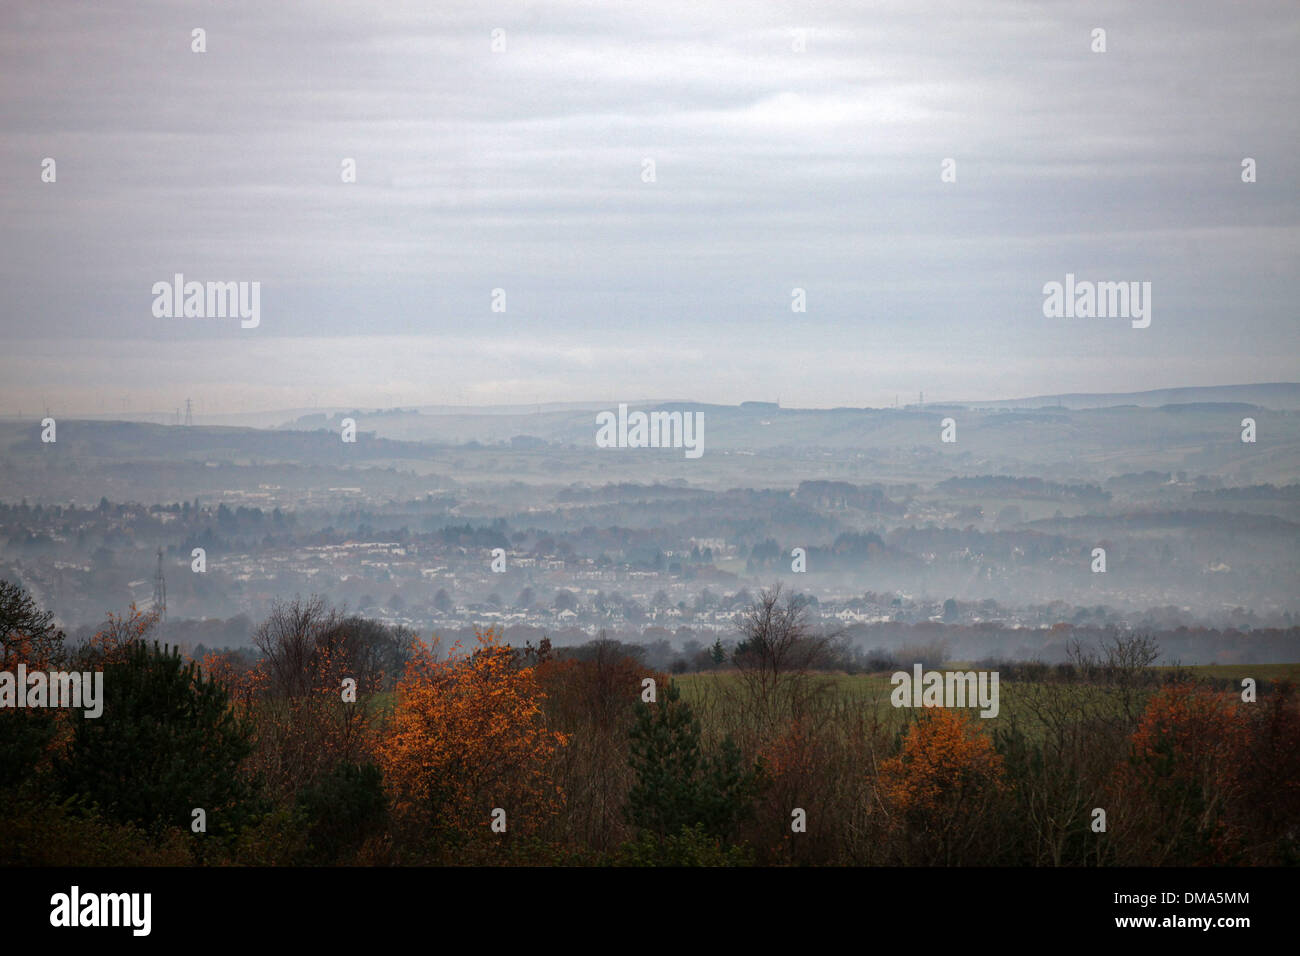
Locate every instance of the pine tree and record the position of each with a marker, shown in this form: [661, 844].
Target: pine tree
[677, 785]
[166, 743]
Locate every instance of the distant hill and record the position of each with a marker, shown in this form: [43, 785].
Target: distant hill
[741, 445]
[1276, 395]
[408, 422]
[1085, 438]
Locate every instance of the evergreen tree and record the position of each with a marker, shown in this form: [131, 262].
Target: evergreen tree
[166, 743]
[677, 785]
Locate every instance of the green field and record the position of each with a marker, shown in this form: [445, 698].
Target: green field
[865, 686]
[709, 694]
[1261, 672]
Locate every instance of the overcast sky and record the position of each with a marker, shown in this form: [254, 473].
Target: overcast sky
[523, 170]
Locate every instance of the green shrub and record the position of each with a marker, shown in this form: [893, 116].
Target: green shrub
[690, 846]
[342, 810]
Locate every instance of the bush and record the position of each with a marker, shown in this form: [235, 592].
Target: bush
[45, 833]
[468, 734]
[24, 737]
[689, 846]
[1181, 792]
[342, 810]
[878, 659]
[930, 655]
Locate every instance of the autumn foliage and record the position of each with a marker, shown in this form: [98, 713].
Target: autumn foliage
[791, 763]
[468, 735]
[1209, 777]
[940, 785]
[118, 637]
[226, 667]
[311, 750]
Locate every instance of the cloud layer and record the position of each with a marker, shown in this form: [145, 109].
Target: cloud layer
[523, 170]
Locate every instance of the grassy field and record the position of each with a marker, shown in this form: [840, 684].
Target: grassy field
[862, 686]
[1261, 672]
[707, 693]
[868, 685]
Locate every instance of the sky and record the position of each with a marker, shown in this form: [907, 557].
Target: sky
[795, 145]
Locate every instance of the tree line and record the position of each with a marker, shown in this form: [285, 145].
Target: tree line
[342, 741]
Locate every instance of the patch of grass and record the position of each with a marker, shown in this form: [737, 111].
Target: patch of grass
[707, 691]
[1261, 672]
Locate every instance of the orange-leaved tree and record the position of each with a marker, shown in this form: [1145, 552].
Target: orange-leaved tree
[467, 736]
[940, 787]
[1174, 799]
[119, 635]
[226, 666]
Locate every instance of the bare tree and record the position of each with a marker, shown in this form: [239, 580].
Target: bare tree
[290, 639]
[1123, 666]
[1066, 735]
[307, 725]
[775, 659]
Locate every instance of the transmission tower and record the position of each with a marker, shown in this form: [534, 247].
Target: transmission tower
[160, 591]
[189, 413]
